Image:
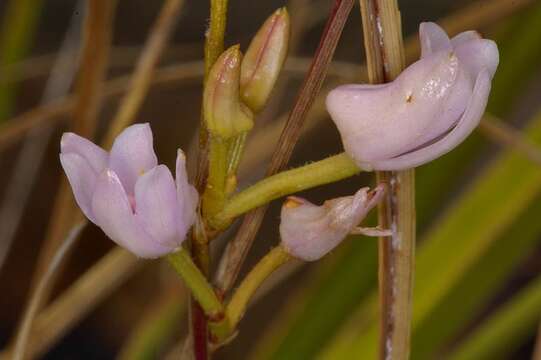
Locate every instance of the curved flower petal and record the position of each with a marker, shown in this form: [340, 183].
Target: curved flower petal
[464, 37]
[433, 39]
[384, 121]
[114, 215]
[156, 206]
[467, 123]
[74, 144]
[82, 179]
[187, 195]
[132, 155]
[478, 54]
[309, 231]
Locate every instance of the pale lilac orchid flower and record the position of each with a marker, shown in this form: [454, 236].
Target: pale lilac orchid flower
[430, 108]
[135, 201]
[309, 231]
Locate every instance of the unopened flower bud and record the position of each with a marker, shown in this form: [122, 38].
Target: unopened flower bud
[264, 60]
[309, 231]
[225, 115]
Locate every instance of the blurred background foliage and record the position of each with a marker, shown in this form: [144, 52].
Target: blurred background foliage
[477, 287]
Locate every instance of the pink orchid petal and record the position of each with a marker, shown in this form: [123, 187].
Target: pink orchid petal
[74, 144]
[156, 206]
[384, 121]
[82, 179]
[478, 54]
[464, 37]
[433, 39]
[309, 231]
[132, 155]
[187, 195]
[467, 123]
[114, 215]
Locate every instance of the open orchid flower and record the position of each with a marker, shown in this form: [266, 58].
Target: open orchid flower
[430, 108]
[309, 231]
[135, 201]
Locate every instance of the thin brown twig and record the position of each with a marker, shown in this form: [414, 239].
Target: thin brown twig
[238, 248]
[484, 14]
[97, 39]
[97, 34]
[145, 68]
[30, 156]
[22, 337]
[385, 59]
[500, 132]
[79, 299]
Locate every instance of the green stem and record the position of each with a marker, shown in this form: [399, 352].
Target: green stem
[262, 270]
[235, 153]
[331, 169]
[214, 45]
[201, 290]
[215, 194]
[239, 302]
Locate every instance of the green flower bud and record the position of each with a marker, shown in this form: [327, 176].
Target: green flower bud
[264, 60]
[225, 115]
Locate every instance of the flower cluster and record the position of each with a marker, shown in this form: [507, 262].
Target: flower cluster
[424, 113]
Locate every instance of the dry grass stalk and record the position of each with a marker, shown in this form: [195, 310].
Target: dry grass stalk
[144, 70]
[97, 34]
[22, 337]
[78, 300]
[385, 59]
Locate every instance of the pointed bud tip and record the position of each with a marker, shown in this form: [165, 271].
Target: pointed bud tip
[224, 113]
[264, 60]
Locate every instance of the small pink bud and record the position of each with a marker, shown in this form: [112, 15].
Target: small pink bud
[428, 110]
[225, 115]
[309, 231]
[264, 60]
[135, 201]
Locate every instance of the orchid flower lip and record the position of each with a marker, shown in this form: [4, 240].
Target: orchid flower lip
[428, 110]
[309, 231]
[132, 198]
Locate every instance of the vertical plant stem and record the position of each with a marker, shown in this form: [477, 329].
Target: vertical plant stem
[237, 250]
[385, 60]
[97, 34]
[214, 46]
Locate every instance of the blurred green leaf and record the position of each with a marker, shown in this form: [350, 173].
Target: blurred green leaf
[520, 52]
[156, 328]
[334, 297]
[464, 236]
[19, 24]
[479, 285]
[505, 330]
